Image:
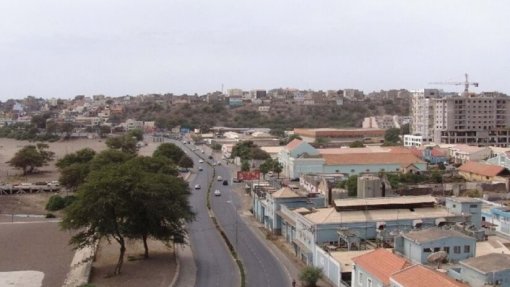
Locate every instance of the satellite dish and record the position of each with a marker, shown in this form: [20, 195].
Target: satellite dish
[437, 258]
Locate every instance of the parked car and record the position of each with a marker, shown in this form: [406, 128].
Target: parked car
[54, 183]
[217, 192]
[201, 161]
[210, 157]
[235, 179]
[219, 178]
[197, 186]
[225, 182]
[200, 168]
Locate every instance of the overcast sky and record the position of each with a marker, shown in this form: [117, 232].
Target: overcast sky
[63, 48]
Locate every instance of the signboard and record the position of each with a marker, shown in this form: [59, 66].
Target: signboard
[248, 175]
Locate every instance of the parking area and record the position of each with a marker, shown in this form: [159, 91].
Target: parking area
[36, 245]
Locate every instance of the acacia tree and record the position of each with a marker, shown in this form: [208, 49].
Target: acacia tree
[185, 162]
[126, 196]
[75, 167]
[30, 157]
[170, 151]
[100, 210]
[160, 205]
[126, 143]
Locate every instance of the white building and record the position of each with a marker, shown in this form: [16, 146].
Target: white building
[422, 114]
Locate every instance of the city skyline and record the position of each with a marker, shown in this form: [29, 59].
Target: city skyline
[60, 49]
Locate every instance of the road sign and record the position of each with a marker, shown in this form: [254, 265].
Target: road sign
[248, 175]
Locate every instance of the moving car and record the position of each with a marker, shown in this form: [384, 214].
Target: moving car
[217, 192]
[225, 182]
[219, 178]
[200, 168]
[197, 186]
[201, 161]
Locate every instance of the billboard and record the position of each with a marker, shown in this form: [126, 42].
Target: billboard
[248, 175]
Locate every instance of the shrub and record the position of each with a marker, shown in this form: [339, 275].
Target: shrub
[310, 275]
[50, 215]
[56, 202]
[68, 200]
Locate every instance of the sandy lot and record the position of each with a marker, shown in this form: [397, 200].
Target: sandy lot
[158, 270]
[8, 147]
[37, 246]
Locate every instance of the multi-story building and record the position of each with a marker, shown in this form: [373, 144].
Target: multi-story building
[422, 116]
[475, 120]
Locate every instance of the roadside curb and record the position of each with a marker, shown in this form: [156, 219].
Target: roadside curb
[81, 266]
[177, 269]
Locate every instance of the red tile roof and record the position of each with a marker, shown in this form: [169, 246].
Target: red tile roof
[293, 144]
[372, 158]
[421, 276]
[381, 264]
[417, 152]
[481, 168]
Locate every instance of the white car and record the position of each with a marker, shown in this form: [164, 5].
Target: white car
[197, 186]
[201, 161]
[217, 192]
[219, 178]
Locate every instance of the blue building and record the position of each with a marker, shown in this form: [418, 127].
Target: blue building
[466, 205]
[487, 270]
[418, 245]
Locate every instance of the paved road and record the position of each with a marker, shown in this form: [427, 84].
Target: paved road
[215, 265]
[262, 267]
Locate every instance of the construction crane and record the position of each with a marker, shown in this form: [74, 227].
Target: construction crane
[466, 83]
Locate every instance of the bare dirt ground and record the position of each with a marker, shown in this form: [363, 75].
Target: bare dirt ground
[158, 270]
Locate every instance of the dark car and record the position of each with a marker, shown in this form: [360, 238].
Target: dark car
[225, 182]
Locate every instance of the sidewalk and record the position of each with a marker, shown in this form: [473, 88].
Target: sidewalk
[186, 272]
[185, 275]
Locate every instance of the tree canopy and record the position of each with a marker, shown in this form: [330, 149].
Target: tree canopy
[30, 157]
[271, 165]
[170, 151]
[126, 196]
[248, 150]
[126, 143]
[392, 136]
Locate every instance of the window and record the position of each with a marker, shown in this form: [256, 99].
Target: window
[467, 248]
[446, 249]
[456, 249]
[369, 281]
[473, 205]
[437, 249]
[427, 250]
[360, 278]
